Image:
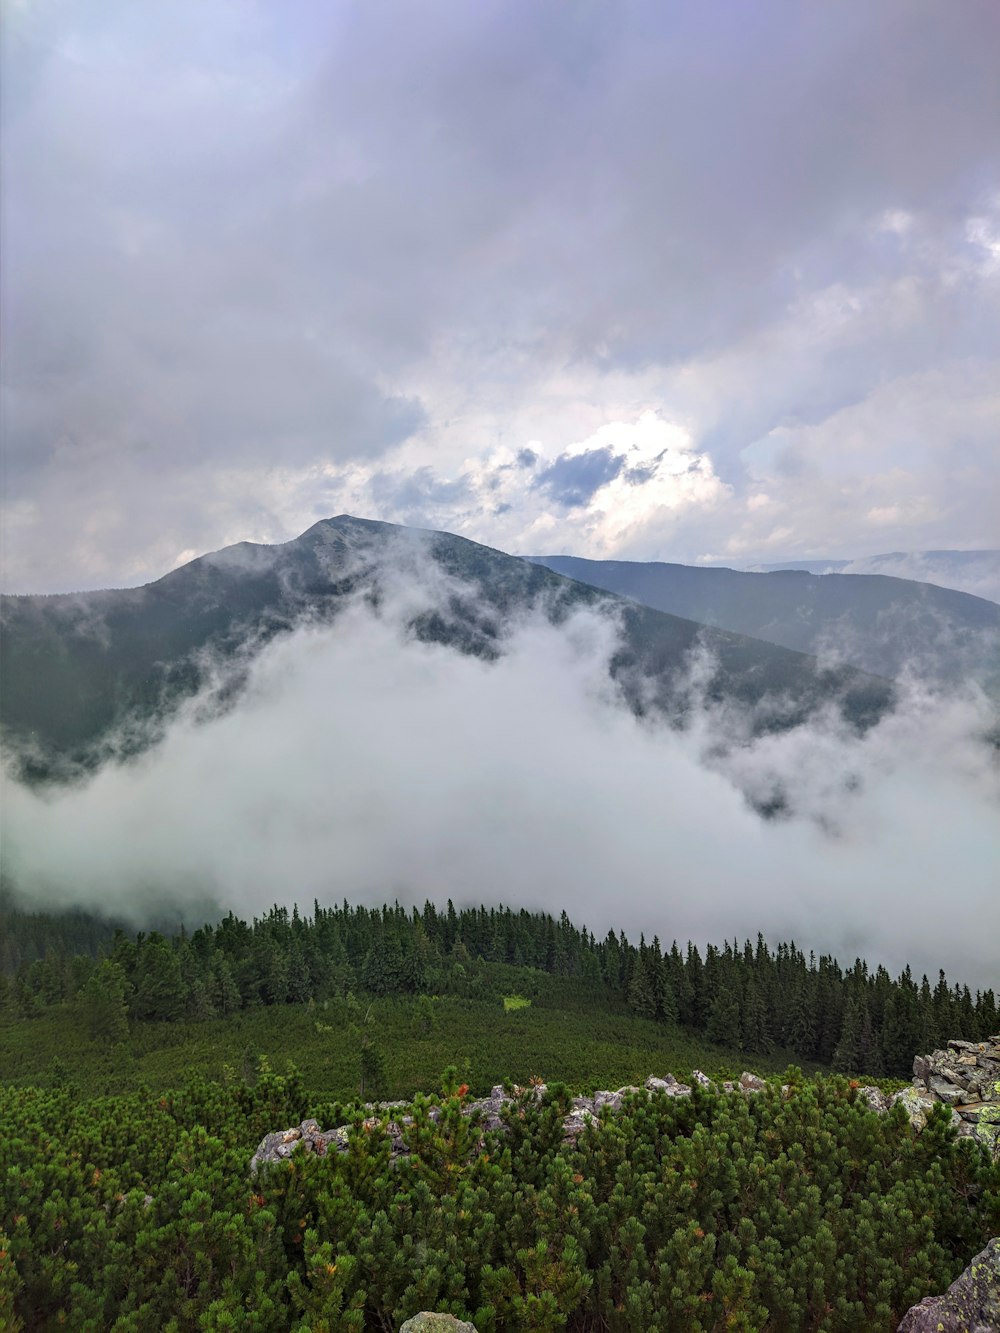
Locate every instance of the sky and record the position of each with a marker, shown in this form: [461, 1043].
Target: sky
[692, 281]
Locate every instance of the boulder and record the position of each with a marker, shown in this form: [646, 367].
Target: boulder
[970, 1305]
[751, 1082]
[916, 1103]
[436, 1323]
[875, 1099]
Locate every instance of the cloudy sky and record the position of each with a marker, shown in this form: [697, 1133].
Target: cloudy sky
[691, 281]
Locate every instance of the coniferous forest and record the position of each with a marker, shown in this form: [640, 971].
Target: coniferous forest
[132, 1207]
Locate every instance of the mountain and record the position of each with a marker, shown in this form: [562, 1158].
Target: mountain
[976, 572]
[878, 624]
[90, 674]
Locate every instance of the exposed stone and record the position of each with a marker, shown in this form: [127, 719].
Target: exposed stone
[436, 1323]
[970, 1305]
[949, 1093]
[966, 1077]
[875, 1098]
[971, 1090]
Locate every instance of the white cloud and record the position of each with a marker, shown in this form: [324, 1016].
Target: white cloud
[362, 763]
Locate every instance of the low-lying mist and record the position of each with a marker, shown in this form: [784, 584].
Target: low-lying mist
[362, 763]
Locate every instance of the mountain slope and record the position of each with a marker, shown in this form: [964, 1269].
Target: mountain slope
[89, 674]
[876, 623]
[976, 572]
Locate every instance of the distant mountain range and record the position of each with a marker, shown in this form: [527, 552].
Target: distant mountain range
[90, 674]
[976, 572]
[888, 626]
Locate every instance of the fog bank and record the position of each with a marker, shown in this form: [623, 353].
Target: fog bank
[361, 763]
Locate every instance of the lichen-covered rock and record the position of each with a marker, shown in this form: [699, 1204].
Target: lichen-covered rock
[917, 1105]
[875, 1099]
[970, 1305]
[436, 1323]
[966, 1077]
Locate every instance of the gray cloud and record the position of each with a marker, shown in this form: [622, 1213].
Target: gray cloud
[243, 246]
[574, 478]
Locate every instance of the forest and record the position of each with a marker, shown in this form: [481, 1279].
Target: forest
[750, 998]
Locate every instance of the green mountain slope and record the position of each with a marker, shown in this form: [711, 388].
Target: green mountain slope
[85, 674]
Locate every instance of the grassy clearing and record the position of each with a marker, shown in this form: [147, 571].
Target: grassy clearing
[513, 1002]
[589, 1045]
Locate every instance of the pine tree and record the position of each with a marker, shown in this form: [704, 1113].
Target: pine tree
[160, 992]
[640, 992]
[104, 1003]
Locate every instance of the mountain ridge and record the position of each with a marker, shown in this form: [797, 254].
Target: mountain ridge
[878, 623]
[83, 670]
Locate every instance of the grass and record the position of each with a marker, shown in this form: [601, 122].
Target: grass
[588, 1043]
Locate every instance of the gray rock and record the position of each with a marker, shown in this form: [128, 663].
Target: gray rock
[436, 1323]
[965, 1076]
[875, 1098]
[660, 1084]
[970, 1305]
[921, 1069]
[947, 1092]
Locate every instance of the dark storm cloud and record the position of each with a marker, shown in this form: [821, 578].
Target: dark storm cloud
[235, 237]
[573, 478]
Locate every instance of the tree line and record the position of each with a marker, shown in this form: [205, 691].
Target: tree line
[752, 997]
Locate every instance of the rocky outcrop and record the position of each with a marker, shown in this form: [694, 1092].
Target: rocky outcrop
[970, 1305]
[436, 1323]
[966, 1077]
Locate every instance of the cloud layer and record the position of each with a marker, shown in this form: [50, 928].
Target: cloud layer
[365, 764]
[264, 266]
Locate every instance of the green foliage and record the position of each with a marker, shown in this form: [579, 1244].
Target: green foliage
[795, 1209]
[104, 1003]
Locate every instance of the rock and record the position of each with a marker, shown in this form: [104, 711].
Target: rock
[875, 1098]
[660, 1084]
[751, 1083]
[917, 1104]
[921, 1069]
[436, 1323]
[970, 1305]
[965, 1077]
[949, 1093]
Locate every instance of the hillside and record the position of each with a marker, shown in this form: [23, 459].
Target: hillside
[879, 624]
[137, 1086]
[88, 674]
[976, 572]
